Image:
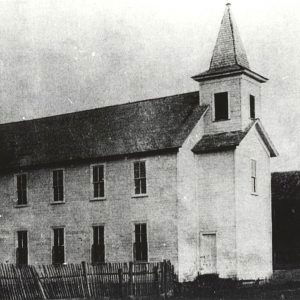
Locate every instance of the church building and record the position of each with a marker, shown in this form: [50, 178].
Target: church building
[184, 177]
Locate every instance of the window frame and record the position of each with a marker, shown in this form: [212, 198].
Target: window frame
[134, 194]
[253, 177]
[214, 106]
[16, 189]
[252, 97]
[19, 230]
[63, 186]
[53, 228]
[92, 197]
[134, 241]
[92, 241]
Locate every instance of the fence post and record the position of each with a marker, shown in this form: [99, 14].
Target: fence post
[156, 283]
[37, 280]
[165, 278]
[130, 278]
[120, 274]
[85, 275]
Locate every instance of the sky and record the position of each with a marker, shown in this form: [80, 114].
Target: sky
[63, 56]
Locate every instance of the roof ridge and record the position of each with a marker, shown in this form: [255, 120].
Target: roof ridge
[97, 108]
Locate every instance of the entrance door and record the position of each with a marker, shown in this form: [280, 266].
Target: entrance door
[208, 253]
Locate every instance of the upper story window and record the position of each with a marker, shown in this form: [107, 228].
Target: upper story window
[140, 185]
[221, 106]
[252, 107]
[22, 189]
[253, 176]
[58, 185]
[98, 181]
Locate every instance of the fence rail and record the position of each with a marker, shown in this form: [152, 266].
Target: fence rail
[113, 280]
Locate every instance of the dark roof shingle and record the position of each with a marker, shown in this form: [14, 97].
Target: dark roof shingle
[129, 128]
[219, 142]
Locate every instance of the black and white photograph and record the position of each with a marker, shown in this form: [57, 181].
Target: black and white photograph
[149, 149]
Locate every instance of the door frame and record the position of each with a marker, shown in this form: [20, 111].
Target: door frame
[208, 232]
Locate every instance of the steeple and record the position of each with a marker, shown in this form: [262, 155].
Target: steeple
[229, 49]
[229, 56]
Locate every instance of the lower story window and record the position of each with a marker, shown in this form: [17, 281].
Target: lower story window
[98, 247]
[58, 249]
[22, 248]
[140, 245]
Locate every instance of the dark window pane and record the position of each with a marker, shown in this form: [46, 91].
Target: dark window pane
[96, 190]
[95, 174]
[137, 186]
[136, 170]
[142, 169]
[252, 107]
[143, 186]
[221, 106]
[101, 173]
[101, 186]
[24, 181]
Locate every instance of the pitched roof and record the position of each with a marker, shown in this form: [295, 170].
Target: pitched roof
[229, 56]
[136, 127]
[219, 142]
[230, 140]
[229, 49]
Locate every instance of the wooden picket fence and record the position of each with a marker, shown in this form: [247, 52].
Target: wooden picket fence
[86, 281]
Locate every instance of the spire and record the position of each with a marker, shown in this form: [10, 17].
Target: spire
[229, 56]
[229, 49]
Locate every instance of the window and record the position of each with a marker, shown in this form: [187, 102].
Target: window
[252, 107]
[253, 176]
[221, 106]
[58, 185]
[98, 181]
[98, 248]
[140, 246]
[58, 249]
[140, 186]
[22, 189]
[22, 249]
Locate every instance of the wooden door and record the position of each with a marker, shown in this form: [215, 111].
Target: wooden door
[208, 253]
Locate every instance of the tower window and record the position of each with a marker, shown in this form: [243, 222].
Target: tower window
[253, 176]
[221, 106]
[252, 107]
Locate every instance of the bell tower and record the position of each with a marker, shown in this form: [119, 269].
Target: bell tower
[229, 86]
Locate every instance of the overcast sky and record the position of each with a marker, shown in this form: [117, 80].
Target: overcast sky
[59, 56]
